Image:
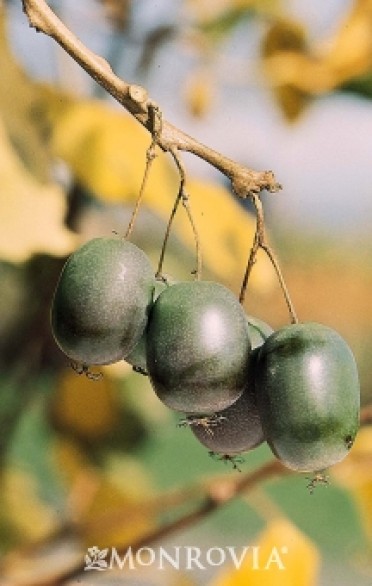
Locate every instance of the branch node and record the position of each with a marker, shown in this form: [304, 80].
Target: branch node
[103, 63]
[247, 183]
[138, 94]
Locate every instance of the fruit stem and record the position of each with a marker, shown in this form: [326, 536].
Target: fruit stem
[260, 241]
[251, 262]
[181, 196]
[186, 205]
[150, 156]
[287, 297]
[167, 233]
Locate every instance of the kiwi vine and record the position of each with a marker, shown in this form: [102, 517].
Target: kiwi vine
[221, 386]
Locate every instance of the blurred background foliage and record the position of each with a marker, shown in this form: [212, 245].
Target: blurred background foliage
[280, 84]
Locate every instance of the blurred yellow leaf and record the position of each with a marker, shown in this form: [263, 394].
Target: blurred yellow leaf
[32, 518]
[95, 415]
[108, 506]
[284, 557]
[355, 474]
[226, 233]
[285, 37]
[199, 93]
[86, 408]
[209, 10]
[106, 151]
[117, 13]
[115, 517]
[71, 461]
[323, 67]
[204, 10]
[31, 213]
[22, 108]
[350, 51]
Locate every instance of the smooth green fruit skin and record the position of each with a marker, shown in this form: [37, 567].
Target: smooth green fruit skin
[308, 396]
[239, 429]
[197, 347]
[258, 331]
[101, 303]
[137, 357]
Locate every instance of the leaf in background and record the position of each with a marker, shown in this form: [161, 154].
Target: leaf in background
[355, 474]
[31, 213]
[350, 51]
[226, 232]
[297, 553]
[218, 28]
[94, 414]
[108, 506]
[71, 462]
[216, 19]
[118, 13]
[85, 408]
[106, 151]
[115, 516]
[25, 511]
[361, 85]
[199, 93]
[286, 37]
[321, 68]
[207, 10]
[22, 109]
[154, 41]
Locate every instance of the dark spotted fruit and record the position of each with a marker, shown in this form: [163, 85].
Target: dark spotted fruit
[101, 303]
[238, 428]
[308, 396]
[197, 347]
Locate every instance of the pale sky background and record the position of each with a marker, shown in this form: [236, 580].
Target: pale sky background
[324, 162]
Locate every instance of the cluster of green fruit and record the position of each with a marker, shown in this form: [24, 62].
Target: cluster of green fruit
[238, 382]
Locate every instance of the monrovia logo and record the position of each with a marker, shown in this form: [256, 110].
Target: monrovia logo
[95, 559]
[185, 558]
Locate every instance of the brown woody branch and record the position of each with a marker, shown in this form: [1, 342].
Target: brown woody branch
[214, 494]
[136, 101]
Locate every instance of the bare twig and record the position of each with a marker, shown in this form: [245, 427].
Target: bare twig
[135, 99]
